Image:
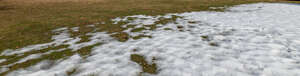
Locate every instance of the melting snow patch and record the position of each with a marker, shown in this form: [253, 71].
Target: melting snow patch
[247, 40]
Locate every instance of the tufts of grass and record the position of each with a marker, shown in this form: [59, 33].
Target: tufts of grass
[168, 29]
[122, 36]
[92, 74]
[86, 51]
[167, 20]
[147, 68]
[130, 26]
[56, 55]
[72, 71]
[138, 29]
[141, 36]
[214, 44]
[53, 56]
[14, 58]
[205, 38]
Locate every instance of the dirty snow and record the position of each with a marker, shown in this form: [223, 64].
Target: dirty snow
[249, 40]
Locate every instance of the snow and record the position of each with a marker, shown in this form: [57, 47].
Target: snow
[260, 39]
[55, 70]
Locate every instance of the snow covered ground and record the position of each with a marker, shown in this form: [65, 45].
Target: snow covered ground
[260, 39]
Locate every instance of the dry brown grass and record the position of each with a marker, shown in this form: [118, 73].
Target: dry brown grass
[51, 1]
[25, 22]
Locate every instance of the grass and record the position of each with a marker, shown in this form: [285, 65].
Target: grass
[56, 55]
[27, 22]
[53, 56]
[72, 71]
[14, 58]
[86, 51]
[146, 67]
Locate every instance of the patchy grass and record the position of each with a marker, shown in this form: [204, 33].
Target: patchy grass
[26, 22]
[53, 56]
[56, 55]
[214, 44]
[86, 51]
[72, 71]
[82, 34]
[164, 21]
[121, 36]
[14, 58]
[205, 38]
[141, 36]
[146, 67]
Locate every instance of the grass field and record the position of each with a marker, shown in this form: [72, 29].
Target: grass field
[26, 22]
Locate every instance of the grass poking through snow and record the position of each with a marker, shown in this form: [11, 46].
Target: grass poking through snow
[26, 22]
[146, 67]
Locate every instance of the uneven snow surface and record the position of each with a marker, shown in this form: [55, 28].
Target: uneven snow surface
[247, 40]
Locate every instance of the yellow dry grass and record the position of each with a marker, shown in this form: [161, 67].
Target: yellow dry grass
[26, 22]
[51, 1]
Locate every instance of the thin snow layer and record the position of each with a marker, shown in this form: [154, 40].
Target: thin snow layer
[247, 40]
